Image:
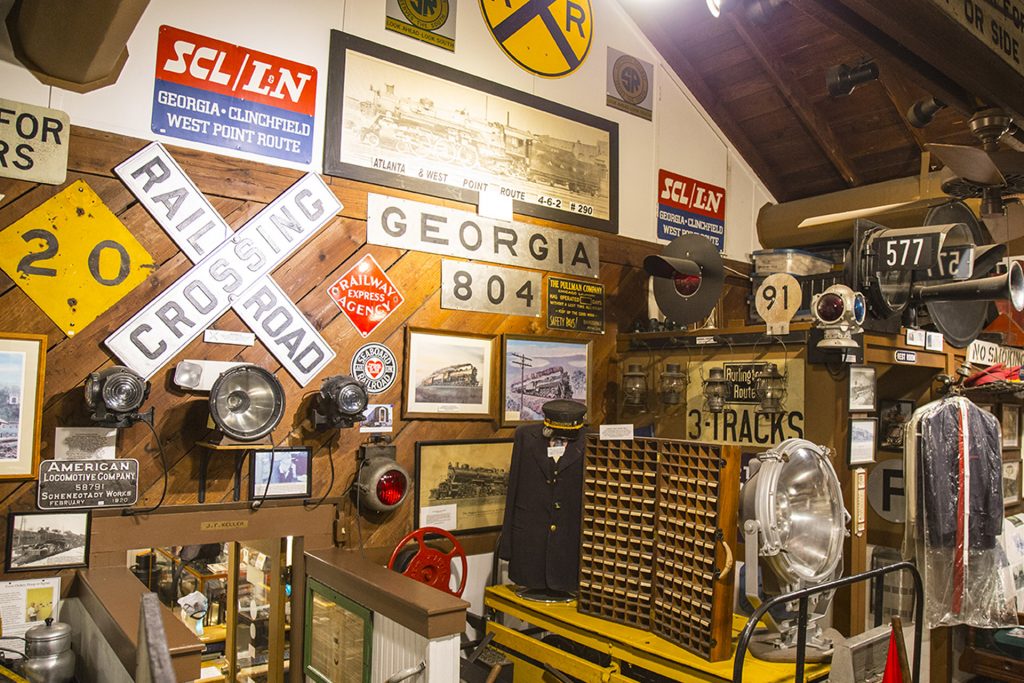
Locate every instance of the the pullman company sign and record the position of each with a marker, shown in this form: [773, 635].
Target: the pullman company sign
[405, 224]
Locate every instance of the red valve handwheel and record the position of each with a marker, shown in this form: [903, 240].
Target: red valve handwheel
[430, 565]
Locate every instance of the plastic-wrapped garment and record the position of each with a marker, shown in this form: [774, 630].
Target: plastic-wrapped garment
[956, 464]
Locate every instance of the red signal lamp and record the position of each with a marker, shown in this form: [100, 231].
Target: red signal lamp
[382, 484]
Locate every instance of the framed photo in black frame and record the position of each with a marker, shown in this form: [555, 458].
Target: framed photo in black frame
[461, 485]
[400, 121]
[863, 395]
[47, 541]
[284, 472]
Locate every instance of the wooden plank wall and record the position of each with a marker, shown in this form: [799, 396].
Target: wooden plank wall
[238, 190]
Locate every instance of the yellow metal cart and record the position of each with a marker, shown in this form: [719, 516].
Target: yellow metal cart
[625, 645]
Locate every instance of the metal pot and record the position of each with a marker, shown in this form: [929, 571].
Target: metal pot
[48, 655]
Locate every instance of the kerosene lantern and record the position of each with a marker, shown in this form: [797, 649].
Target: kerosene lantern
[673, 383]
[634, 385]
[770, 389]
[715, 389]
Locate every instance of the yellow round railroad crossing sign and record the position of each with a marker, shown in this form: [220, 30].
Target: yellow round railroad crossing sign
[549, 38]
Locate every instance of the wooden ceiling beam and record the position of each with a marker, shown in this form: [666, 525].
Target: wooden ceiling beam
[693, 79]
[839, 17]
[899, 94]
[799, 101]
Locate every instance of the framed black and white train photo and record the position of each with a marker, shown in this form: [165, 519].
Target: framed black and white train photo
[448, 375]
[397, 120]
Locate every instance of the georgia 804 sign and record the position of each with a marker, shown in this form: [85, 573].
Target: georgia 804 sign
[549, 38]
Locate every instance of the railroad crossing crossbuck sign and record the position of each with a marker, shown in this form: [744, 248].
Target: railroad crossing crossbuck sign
[549, 38]
[232, 269]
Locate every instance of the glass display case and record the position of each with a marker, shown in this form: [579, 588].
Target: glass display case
[338, 637]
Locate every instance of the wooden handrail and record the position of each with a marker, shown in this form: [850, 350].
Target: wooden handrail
[111, 596]
[424, 610]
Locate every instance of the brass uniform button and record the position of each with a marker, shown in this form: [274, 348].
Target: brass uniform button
[554, 527]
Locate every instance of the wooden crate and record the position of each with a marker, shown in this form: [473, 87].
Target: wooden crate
[655, 514]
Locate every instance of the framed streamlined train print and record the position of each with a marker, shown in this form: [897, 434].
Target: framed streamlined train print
[536, 370]
[448, 375]
[400, 121]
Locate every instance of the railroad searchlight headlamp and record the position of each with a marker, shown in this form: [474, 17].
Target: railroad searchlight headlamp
[114, 396]
[793, 523]
[340, 403]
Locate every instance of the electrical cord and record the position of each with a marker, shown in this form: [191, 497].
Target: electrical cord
[128, 512]
[270, 473]
[330, 486]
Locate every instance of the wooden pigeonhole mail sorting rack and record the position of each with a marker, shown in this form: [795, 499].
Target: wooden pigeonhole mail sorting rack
[658, 518]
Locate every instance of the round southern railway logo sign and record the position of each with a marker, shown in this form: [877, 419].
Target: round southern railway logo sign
[630, 79]
[549, 38]
[374, 366]
[425, 14]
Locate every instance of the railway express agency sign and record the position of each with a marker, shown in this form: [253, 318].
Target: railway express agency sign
[739, 423]
[549, 38]
[406, 224]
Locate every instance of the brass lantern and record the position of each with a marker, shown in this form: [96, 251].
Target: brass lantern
[634, 385]
[673, 383]
[715, 389]
[770, 389]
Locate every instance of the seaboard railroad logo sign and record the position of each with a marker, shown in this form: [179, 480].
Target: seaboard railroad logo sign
[549, 38]
[375, 367]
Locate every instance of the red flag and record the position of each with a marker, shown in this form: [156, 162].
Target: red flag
[893, 671]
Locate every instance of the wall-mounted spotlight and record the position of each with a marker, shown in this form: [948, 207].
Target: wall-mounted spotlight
[246, 403]
[673, 384]
[839, 311]
[340, 403]
[198, 374]
[715, 390]
[382, 484]
[841, 80]
[114, 396]
[770, 389]
[634, 385]
[923, 112]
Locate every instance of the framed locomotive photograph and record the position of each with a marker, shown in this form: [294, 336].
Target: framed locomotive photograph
[461, 485]
[536, 370]
[448, 375]
[47, 541]
[1011, 482]
[400, 121]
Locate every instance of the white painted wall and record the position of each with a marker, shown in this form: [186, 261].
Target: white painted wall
[682, 137]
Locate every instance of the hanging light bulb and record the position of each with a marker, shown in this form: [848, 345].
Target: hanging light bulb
[634, 385]
[673, 383]
[770, 389]
[715, 389]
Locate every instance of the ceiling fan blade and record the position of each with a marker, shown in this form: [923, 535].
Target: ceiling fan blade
[970, 163]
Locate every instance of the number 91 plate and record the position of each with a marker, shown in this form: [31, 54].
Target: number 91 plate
[485, 288]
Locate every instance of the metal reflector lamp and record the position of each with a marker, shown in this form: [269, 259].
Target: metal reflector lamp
[382, 484]
[340, 403]
[794, 521]
[114, 396]
[246, 403]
